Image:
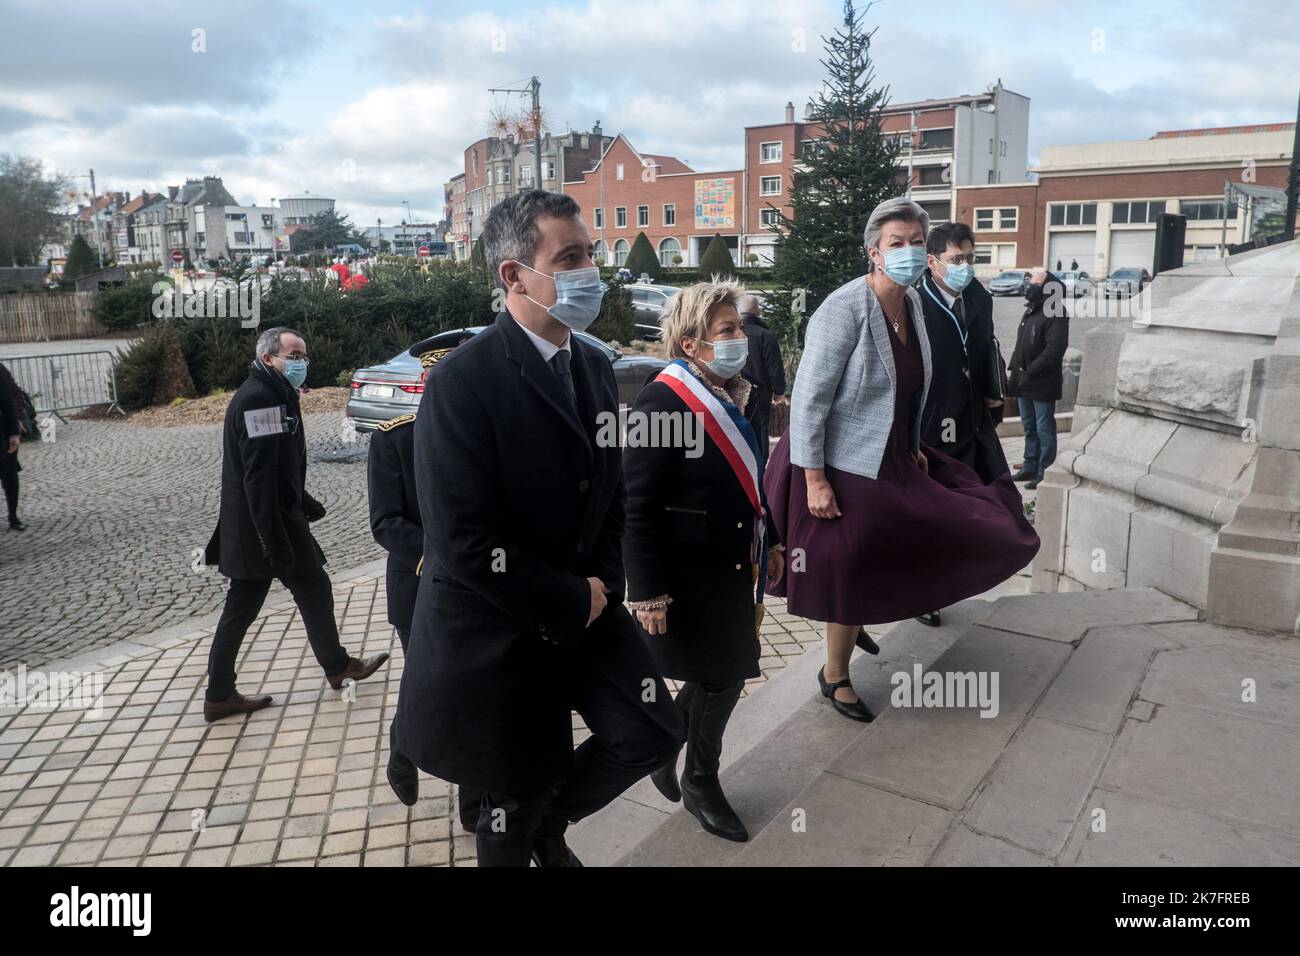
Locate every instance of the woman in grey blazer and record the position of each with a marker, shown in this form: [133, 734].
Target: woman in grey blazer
[877, 528]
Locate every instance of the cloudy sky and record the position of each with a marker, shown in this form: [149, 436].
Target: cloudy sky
[373, 103]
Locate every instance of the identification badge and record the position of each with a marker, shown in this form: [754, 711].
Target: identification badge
[260, 422]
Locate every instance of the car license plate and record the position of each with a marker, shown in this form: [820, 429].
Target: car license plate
[376, 391]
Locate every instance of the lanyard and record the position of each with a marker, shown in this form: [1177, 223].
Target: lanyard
[964, 334]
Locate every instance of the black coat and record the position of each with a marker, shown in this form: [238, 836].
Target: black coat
[262, 529]
[394, 514]
[689, 531]
[8, 415]
[519, 504]
[955, 407]
[1041, 341]
[763, 367]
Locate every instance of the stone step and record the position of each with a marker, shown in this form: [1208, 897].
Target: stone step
[778, 740]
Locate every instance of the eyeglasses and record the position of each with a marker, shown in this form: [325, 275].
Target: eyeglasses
[297, 357]
[958, 260]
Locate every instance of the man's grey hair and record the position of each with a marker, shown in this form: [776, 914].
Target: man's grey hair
[901, 208]
[511, 233]
[269, 341]
[749, 304]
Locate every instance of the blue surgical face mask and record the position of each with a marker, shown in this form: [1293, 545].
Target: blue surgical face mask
[295, 370]
[905, 264]
[958, 276]
[578, 295]
[728, 356]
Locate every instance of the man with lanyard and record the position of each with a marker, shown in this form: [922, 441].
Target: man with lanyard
[965, 399]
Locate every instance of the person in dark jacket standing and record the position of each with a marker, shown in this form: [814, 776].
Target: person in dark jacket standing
[262, 531]
[1035, 375]
[395, 523]
[764, 370]
[698, 536]
[11, 435]
[519, 619]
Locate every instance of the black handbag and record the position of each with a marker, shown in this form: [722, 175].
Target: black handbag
[996, 377]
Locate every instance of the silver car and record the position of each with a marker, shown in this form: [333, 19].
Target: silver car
[1125, 282]
[381, 392]
[1011, 282]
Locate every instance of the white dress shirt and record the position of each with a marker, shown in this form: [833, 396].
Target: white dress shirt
[544, 347]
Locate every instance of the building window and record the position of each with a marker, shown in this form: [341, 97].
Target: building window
[1074, 214]
[505, 175]
[996, 220]
[769, 186]
[621, 250]
[600, 218]
[936, 138]
[769, 217]
[670, 214]
[598, 253]
[1135, 213]
[769, 152]
[642, 216]
[1200, 210]
[937, 211]
[620, 219]
[1001, 255]
[550, 169]
[618, 171]
[525, 175]
[669, 248]
[932, 176]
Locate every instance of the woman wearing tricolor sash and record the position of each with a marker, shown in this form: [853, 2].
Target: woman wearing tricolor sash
[699, 545]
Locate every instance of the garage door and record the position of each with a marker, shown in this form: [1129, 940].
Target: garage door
[1066, 247]
[1135, 249]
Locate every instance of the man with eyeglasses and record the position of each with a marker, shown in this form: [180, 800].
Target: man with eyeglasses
[965, 400]
[262, 531]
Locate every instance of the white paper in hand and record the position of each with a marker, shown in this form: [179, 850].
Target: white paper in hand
[260, 422]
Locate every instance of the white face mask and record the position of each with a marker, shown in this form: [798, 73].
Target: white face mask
[578, 295]
[729, 356]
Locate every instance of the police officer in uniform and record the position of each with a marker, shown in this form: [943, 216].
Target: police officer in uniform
[395, 523]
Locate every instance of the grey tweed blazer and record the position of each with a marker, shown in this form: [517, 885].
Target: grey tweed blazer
[842, 407]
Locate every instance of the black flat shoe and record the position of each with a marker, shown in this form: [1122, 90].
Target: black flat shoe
[854, 711]
[865, 642]
[403, 779]
[1031, 485]
[665, 781]
[930, 619]
[16, 525]
[553, 851]
[1022, 475]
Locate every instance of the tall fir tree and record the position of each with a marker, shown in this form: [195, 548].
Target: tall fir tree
[847, 172]
[81, 260]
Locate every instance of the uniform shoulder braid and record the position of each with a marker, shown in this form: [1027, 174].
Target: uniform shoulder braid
[396, 422]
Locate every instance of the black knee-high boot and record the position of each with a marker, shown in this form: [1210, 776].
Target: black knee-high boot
[665, 778]
[701, 792]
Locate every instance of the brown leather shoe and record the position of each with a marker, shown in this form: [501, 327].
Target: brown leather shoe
[357, 670]
[236, 703]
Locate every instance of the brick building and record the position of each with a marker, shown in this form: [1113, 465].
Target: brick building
[1097, 204]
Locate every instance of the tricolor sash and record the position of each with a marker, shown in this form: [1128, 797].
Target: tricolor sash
[720, 426]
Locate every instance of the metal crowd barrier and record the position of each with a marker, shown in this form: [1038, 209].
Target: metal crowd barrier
[67, 381]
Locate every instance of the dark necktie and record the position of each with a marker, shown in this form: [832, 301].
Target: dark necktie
[958, 311]
[560, 362]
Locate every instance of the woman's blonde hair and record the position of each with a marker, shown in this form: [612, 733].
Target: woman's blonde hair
[687, 314]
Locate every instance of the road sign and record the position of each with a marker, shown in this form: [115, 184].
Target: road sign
[177, 256]
[424, 252]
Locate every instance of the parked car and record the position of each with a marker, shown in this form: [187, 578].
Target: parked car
[623, 274]
[1077, 283]
[1125, 282]
[1011, 282]
[648, 303]
[392, 388]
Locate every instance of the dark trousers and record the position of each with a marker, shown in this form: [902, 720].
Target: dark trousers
[9, 479]
[760, 418]
[630, 737]
[1038, 418]
[315, 599]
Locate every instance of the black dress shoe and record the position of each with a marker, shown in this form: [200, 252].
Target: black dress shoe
[930, 619]
[665, 781]
[1030, 486]
[403, 778]
[553, 851]
[854, 711]
[236, 703]
[705, 801]
[357, 670]
[16, 525]
[1023, 475]
[865, 642]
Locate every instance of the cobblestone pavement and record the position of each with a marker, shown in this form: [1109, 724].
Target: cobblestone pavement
[115, 515]
[301, 783]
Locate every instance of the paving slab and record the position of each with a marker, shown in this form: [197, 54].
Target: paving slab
[1065, 617]
[1217, 678]
[964, 847]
